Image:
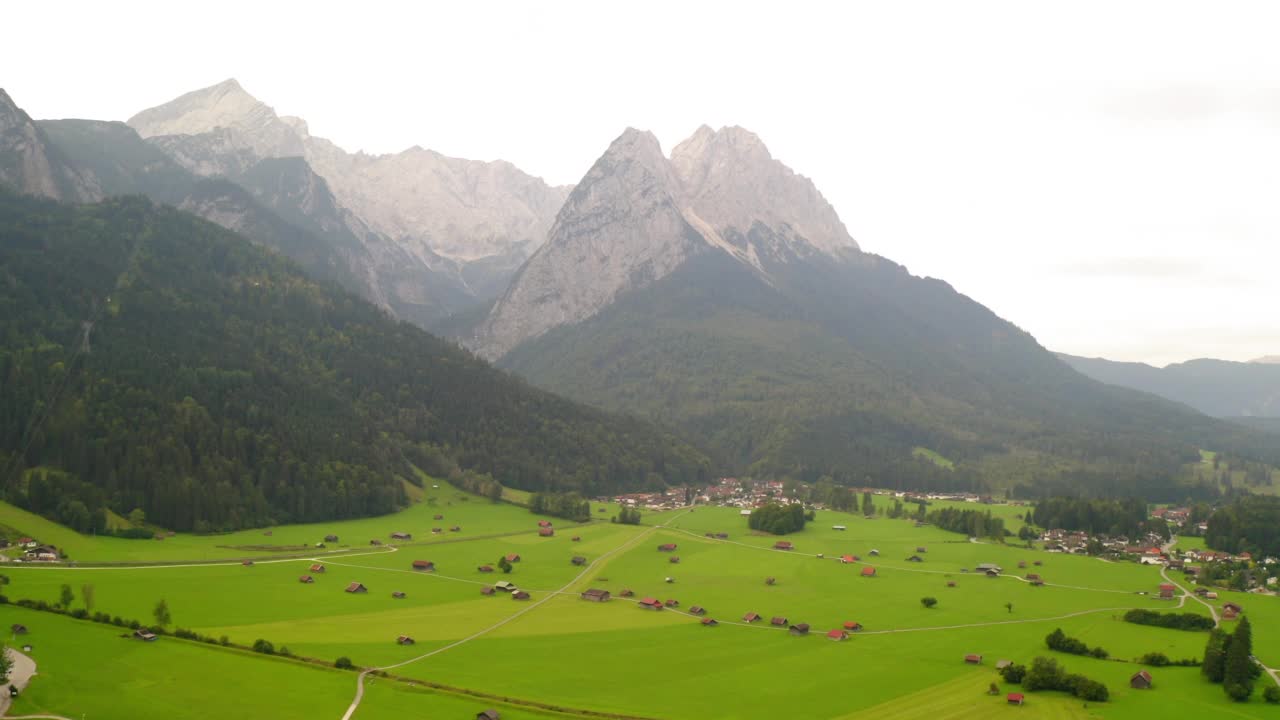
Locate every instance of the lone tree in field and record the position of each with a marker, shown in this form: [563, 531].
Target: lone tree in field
[86, 594]
[1008, 606]
[161, 613]
[66, 597]
[928, 602]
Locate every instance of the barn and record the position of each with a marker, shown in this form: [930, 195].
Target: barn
[356, 587]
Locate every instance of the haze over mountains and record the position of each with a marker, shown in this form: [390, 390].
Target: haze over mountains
[712, 290]
[1215, 387]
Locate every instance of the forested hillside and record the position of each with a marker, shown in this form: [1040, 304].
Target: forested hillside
[857, 370]
[219, 387]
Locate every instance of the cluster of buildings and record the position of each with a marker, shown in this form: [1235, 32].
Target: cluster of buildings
[32, 550]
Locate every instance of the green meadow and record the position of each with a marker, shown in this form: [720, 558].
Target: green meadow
[614, 657]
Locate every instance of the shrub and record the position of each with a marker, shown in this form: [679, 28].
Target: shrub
[1013, 674]
[1154, 659]
[343, 663]
[1271, 694]
[264, 647]
[928, 602]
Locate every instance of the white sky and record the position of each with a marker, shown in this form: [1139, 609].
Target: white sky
[1104, 174]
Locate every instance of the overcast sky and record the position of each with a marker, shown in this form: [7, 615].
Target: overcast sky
[1106, 175]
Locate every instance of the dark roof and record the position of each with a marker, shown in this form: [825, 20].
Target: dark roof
[778, 620]
[751, 617]
[488, 715]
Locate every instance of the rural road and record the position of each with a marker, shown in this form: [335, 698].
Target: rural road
[23, 668]
[593, 565]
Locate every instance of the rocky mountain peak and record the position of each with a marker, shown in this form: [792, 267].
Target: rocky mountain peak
[226, 105]
[30, 164]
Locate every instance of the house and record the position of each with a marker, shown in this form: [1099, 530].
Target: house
[838, 527]
[751, 617]
[488, 715]
[504, 585]
[1002, 664]
[578, 560]
[1231, 607]
[486, 590]
[770, 581]
[868, 571]
[837, 635]
[544, 523]
[144, 635]
[1166, 591]
[667, 547]
[1016, 698]
[397, 594]
[674, 559]
[987, 567]
[651, 603]
[306, 579]
[401, 536]
[520, 595]
[546, 532]
[779, 621]
[799, 629]
[1141, 680]
[852, 626]
[331, 538]
[627, 592]
[846, 559]
[404, 640]
[697, 610]
[425, 565]
[1202, 591]
[18, 629]
[1229, 612]
[973, 659]
[672, 603]
[595, 595]
[915, 558]
[356, 587]
[513, 558]
[317, 568]
[783, 545]
[1211, 595]
[485, 568]
[709, 622]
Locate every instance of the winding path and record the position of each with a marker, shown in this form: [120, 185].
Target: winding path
[593, 565]
[19, 675]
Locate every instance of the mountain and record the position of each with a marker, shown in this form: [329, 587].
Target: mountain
[1215, 387]
[461, 224]
[30, 165]
[718, 292]
[1267, 360]
[155, 360]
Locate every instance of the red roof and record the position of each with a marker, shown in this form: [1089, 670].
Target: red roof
[846, 558]
[546, 532]
[544, 523]
[973, 658]
[868, 571]
[1166, 586]
[851, 625]
[751, 617]
[1016, 697]
[423, 564]
[837, 634]
[650, 601]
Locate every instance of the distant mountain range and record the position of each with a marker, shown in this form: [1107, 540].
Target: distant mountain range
[1215, 387]
[714, 291]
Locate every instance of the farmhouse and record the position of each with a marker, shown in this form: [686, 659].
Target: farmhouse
[651, 603]
[595, 595]
[783, 545]
[317, 568]
[401, 536]
[578, 560]
[1166, 591]
[697, 610]
[868, 571]
[973, 659]
[356, 587]
[799, 629]
[667, 547]
[404, 640]
[486, 590]
[397, 594]
[513, 558]
[779, 621]
[306, 579]
[546, 532]
[485, 568]
[1016, 698]
[424, 565]
[837, 635]
[709, 622]
[751, 617]
[505, 585]
[144, 635]
[520, 595]
[1141, 680]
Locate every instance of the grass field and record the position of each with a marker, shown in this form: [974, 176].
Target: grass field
[606, 657]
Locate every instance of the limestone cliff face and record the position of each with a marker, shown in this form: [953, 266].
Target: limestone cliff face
[445, 212]
[32, 166]
[623, 226]
[637, 216]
